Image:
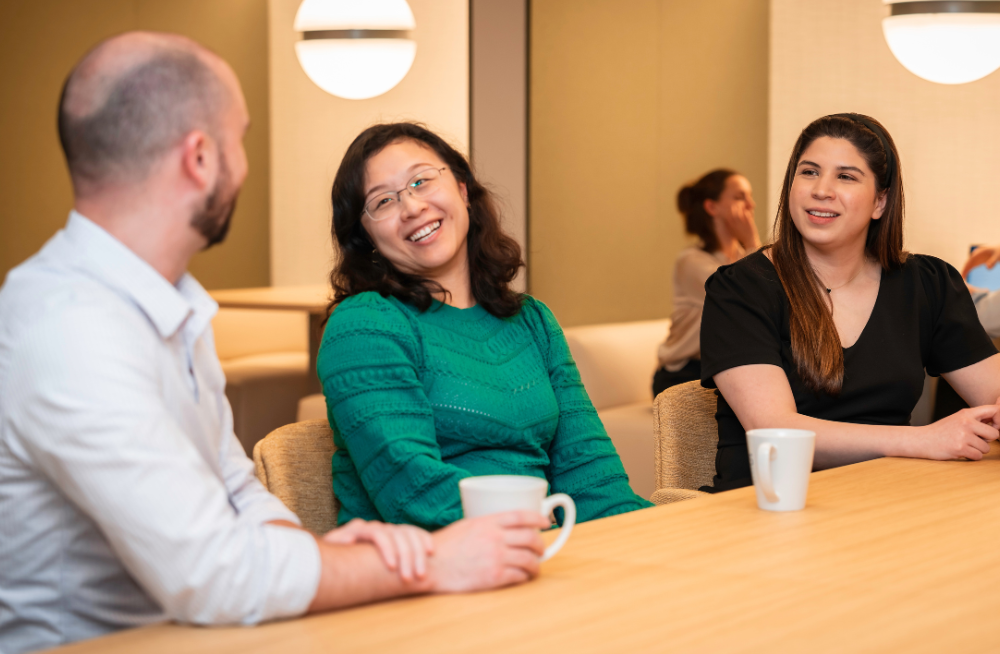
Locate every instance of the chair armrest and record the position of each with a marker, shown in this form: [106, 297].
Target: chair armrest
[671, 495]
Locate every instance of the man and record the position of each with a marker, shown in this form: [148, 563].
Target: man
[125, 497]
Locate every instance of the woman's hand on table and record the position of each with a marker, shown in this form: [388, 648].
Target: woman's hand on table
[403, 548]
[964, 434]
[488, 552]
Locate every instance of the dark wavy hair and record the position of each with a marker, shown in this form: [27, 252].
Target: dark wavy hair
[494, 257]
[816, 345]
[691, 203]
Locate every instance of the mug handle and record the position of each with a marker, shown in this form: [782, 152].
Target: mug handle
[569, 519]
[766, 452]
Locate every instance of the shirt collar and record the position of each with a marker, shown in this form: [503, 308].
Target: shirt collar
[167, 306]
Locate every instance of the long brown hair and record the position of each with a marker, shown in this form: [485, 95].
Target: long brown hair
[691, 203]
[816, 344]
[494, 257]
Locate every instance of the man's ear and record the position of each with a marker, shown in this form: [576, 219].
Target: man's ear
[880, 205]
[199, 159]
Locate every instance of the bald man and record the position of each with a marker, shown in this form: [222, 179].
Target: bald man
[125, 497]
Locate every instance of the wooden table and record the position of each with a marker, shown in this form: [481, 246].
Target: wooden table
[890, 555]
[312, 299]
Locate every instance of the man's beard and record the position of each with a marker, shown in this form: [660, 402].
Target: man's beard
[212, 220]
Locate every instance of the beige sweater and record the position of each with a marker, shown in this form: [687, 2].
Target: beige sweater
[693, 268]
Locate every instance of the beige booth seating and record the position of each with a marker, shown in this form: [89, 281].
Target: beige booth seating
[265, 358]
[616, 362]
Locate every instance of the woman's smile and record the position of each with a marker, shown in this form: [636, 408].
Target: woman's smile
[821, 217]
[425, 234]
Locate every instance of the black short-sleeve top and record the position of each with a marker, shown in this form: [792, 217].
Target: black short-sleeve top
[923, 318]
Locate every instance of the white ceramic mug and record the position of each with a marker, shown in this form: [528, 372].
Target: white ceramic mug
[780, 462]
[498, 493]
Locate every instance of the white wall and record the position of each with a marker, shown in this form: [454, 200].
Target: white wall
[310, 129]
[829, 56]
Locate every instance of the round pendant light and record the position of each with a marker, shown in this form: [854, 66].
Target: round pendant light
[355, 49]
[948, 42]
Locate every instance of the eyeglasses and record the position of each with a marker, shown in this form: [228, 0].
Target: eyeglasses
[390, 204]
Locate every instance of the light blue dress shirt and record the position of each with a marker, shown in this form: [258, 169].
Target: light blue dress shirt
[125, 497]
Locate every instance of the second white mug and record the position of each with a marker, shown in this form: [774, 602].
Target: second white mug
[498, 493]
[780, 463]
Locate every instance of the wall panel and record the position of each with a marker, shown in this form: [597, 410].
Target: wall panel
[628, 102]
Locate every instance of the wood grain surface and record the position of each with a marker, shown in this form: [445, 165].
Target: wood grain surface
[889, 555]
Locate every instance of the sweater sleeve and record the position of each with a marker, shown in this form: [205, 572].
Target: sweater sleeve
[388, 464]
[583, 462]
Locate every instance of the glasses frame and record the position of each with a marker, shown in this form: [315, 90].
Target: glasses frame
[399, 193]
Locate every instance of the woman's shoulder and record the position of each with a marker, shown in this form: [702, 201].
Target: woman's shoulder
[927, 265]
[936, 275]
[694, 258]
[754, 274]
[369, 311]
[534, 310]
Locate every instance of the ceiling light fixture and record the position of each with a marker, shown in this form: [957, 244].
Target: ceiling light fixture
[948, 42]
[355, 49]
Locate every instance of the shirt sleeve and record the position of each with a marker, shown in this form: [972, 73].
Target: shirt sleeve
[740, 324]
[958, 339]
[583, 462]
[91, 411]
[383, 422]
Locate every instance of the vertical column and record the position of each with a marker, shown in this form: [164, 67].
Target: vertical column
[498, 99]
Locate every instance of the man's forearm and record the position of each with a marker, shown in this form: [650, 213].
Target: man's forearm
[356, 574]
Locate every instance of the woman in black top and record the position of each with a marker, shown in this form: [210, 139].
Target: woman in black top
[831, 328]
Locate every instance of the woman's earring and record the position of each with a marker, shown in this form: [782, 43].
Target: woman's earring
[374, 255]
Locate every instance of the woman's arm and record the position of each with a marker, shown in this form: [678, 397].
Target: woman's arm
[979, 383]
[583, 462]
[761, 397]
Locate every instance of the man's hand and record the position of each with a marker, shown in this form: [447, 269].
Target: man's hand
[404, 548]
[487, 552]
[983, 256]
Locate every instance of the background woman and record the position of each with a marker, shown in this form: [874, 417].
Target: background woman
[831, 328]
[433, 368]
[718, 209]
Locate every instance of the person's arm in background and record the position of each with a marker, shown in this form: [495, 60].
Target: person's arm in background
[368, 369]
[743, 226]
[583, 462]
[987, 302]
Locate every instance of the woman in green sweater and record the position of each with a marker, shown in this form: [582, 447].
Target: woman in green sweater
[433, 368]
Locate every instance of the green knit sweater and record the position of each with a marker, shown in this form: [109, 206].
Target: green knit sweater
[418, 401]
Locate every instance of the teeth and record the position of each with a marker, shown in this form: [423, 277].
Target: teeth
[822, 214]
[426, 231]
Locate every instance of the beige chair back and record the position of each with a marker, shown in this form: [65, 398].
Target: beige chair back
[686, 440]
[294, 463]
[617, 360]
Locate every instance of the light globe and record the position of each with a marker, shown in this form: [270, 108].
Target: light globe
[354, 49]
[945, 42]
